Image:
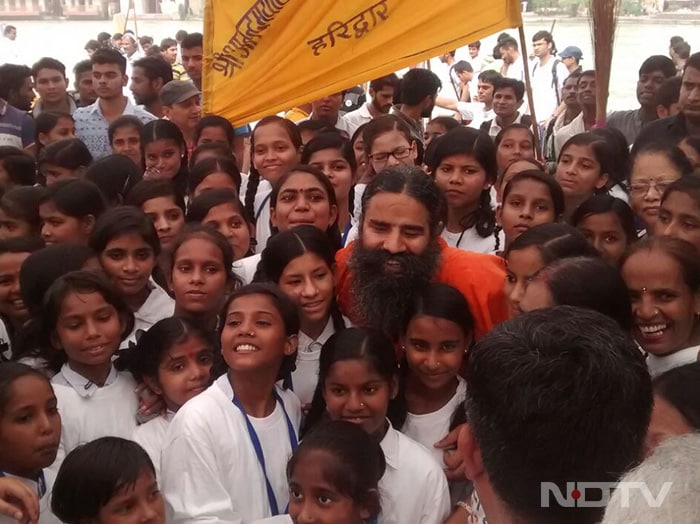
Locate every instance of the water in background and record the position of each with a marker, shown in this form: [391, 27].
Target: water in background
[636, 40]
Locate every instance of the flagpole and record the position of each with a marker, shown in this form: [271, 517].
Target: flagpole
[528, 89]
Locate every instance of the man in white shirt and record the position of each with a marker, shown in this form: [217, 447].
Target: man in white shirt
[382, 92]
[474, 59]
[449, 78]
[531, 358]
[512, 63]
[548, 75]
[586, 119]
[327, 111]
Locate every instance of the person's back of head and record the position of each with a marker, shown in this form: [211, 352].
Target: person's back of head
[670, 477]
[667, 97]
[417, 84]
[191, 41]
[155, 67]
[557, 395]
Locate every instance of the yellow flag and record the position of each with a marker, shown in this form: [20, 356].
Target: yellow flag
[266, 56]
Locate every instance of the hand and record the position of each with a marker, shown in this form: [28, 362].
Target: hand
[150, 404]
[152, 173]
[18, 502]
[453, 460]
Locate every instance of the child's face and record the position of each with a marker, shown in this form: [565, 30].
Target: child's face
[167, 218]
[213, 134]
[273, 151]
[528, 204]
[11, 304]
[254, 335]
[30, 427]
[515, 144]
[163, 158]
[309, 282]
[462, 179]
[663, 305]
[59, 228]
[215, 180]
[128, 261]
[88, 329]
[312, 498]
[303, 200]
[355, 392]
[679, 217]
[226, 219]
[139, 503]
[184, 371]
[579, 172]
[336, 168]
[604, 231]
[521, 266]
[13, 227]
[198, 278]
[435, 349]
[53, 173]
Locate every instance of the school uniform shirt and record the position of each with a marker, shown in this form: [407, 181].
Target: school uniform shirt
[209, 469]
[414, 487]
[575, 127]
[245, 268]
[151, 435]
[354, 119]
[158, 305]
[429, 428]
[305, 376]
[279, 519]
[89, 412]
[495, 128]
[659, 365]
[472, 241]
[5, 343]
[45, 514]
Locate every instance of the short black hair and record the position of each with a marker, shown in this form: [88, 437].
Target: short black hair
[167, 42]
[124, 121]
[555, 395]
[390, 80]
[542, 35]
[682, 50]
[680, 387]
[658, 63]
[418, 83]
[489, 77]
[180, 35]
[92, 45]
[510, 83]
[463, 67]
[155, 67]
[109, 56]
[669, 92]
[476, 44]
[82, 67]
[93, 473]
[509, 42]
[12, 77]
[693, 61]
[48, 63]
[192, 40]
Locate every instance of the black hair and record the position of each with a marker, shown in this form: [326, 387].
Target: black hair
[144, 358]
[220, 151]
[467, 141]
[315, 126]
[366, 344]
[489, 77]
[599, 204]
[75, 282]
[124, 121]
[476, 44]
[509, 83]
[48, 63]
[286, 246]
[82, 67]
[207, 166]
[688, 185]
[215, 121]
[11, 372]
[683, 51]
[463, 67]
[591, 283]
[553, 241]
[12, 77]
[682, 252]
[417, 84]
[22, 203]
[45, 121]
[680, 387]
[167, 130]
[555, 191]
[25, 244]
[109, 56]
[254, 177]
[180, 35]
[332, 232]
[660, 63]
[509, 42]
[144, 40]
[356, 463]
[20, 168]
[115, 175]
[413, 182]
[146, 190]
[542, 35]
[167, 43]
[192, 40]
[120, 221]
[75, 198]
[285, 307]
[620, 162]
[93, 473]
[447, 122]
[673, 154]
[380, 83]
[69, 153]
[547, 382]
[155, 67]
[198, 231]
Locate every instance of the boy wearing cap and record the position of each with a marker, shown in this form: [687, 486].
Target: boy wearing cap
[571, 56]
[182, 106]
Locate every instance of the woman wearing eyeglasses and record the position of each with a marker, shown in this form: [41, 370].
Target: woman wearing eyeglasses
[388, 142]
[654, 168]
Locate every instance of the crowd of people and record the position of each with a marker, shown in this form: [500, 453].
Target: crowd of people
[346, 314]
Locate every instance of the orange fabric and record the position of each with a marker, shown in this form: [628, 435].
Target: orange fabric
[478, 277]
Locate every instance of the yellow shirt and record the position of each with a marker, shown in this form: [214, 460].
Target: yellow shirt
[179, 72]
[295, 115]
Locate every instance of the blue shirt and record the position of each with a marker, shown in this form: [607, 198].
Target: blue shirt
[91, 126]
[16, 127]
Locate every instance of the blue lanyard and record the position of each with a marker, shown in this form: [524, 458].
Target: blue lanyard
[262, 206]
[293, 441]
[40, 484]
[345, 234]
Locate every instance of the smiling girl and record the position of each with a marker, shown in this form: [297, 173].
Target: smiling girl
[663, 278]
[164, 153]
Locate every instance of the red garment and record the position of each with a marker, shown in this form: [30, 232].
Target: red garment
[478, 277]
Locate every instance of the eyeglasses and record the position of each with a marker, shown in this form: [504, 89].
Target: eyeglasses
[642, 188]
[399, 154]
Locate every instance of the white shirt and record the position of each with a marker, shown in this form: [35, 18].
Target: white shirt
[543, 89]
[659, 365]
[261, 208]
[151, 435]
[515, 70]
[45, 514]
[429, 428]
[89, 411]
[340, 124]
[209, 468]
[575, 127]
[356, 118]
[495, 128]
[245, 268]
[305, 376]
[414, 488]
[5, 342]
[470, 240]
[158, 305]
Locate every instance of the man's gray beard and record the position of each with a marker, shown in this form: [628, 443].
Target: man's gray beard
[382, 299]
